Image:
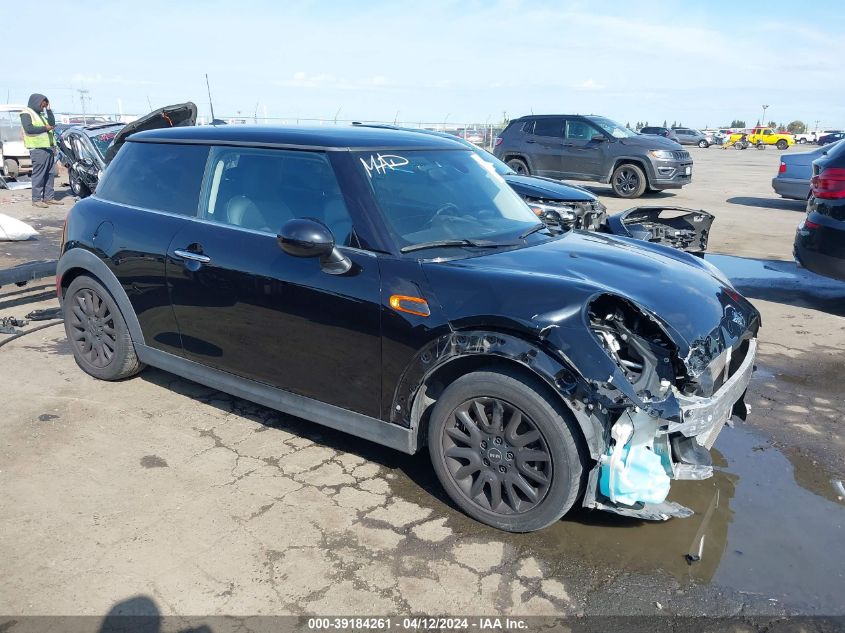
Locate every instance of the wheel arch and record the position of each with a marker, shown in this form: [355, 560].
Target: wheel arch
[76, 262]
[633, 160]
[506, 156]
[455, 354]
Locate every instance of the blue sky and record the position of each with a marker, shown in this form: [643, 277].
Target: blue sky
[700, 63]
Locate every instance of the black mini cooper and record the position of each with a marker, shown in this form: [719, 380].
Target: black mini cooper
[392, 285]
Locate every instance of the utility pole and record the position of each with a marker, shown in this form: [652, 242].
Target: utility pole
[83, 95]
[763, 122]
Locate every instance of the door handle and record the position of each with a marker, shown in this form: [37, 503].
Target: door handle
[194, 257]
[530, 141]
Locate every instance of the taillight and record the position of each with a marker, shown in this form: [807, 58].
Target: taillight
[809, 224]
[829, 184]
[498, 141]
[782, 168]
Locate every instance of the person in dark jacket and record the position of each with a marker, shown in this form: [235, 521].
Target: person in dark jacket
[38, 122]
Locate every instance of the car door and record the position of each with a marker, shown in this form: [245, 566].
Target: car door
[246, 307]
[545, 145]
[581, 156]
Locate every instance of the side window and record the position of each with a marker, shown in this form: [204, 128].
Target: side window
[261, 189]
[163, 177]
[578, 130]
[767, 132]
[548, 127]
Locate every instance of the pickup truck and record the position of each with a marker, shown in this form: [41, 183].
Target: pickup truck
[767, 136]
[812, 137]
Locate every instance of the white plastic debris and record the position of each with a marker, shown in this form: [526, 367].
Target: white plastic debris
[13, 230]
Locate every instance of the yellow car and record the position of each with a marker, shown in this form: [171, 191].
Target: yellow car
[767, 136]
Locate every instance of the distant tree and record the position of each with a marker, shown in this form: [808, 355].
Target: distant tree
[772, 124]
[646, 124]
[738, 123]
[664, 123]
[674, 124]
[757, 124]
[628, 125]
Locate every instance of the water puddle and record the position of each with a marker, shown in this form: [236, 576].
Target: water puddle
[766, 533]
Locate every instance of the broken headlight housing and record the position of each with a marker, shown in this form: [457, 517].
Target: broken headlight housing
[637, 344]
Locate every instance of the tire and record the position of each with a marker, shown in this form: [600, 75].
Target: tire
[803, 141]
[77, 187]
[12, 168]
[93, 324]
[628, 181]
[782, 145]
[703, 144]
[760, 145]
[465, 449]
[519, 166]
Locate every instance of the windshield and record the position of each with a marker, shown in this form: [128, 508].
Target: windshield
[444, 195]
[103, 138]
[612, 128]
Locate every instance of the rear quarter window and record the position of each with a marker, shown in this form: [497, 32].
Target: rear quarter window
[158, 176]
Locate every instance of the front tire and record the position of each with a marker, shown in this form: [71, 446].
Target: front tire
[782, 145]
[504, 452]
[77, 187]
[703, 144]
[10, 165]
[628, 181]
[803, 141]
[101, 342]
[519, 166]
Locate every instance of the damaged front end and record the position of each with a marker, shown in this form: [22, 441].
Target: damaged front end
[685, 229]
[664, 408]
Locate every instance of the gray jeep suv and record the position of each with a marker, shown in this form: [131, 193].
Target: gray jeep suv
[576, 147]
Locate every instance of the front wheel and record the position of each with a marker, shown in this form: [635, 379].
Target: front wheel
[781, 144]
[11, 167]
[803, 141]
[505, 453]
[77, 187]
[702, 144]
[628, 181]
[519, 166]
[101, 342]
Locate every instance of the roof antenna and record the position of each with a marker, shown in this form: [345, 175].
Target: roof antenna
[210, 103]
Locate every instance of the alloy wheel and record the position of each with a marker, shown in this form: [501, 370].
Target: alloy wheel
[92, 328]
[497, 456]
[627, 180]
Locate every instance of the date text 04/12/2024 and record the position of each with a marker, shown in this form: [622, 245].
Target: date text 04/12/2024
[417, 623]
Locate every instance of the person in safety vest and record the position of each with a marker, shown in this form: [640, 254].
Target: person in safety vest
[37, 121]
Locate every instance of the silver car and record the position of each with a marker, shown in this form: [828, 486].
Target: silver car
[795, 171]
[689, 136]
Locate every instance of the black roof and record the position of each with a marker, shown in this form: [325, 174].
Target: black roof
[329, 137]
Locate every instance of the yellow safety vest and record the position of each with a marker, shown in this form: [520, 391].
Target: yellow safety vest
[44, 140]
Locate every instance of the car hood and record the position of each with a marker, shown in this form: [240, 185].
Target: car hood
[536, 187]
[547, 287]
[651, 141]
[178, 115]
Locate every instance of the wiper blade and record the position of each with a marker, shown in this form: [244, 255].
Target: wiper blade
[537, 227]
[447, 243]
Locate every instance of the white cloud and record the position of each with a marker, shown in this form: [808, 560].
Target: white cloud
[590, 84]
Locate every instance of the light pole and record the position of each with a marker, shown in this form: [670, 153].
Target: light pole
[763, 122]
[83, 95]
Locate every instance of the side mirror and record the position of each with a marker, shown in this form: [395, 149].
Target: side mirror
[307, 237]
[598, 138]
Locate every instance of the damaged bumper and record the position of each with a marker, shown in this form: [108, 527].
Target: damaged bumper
[633, 477]
[685, 229]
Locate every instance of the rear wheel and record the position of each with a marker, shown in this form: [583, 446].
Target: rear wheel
[781, 144]
[628, 181]
[803, 141]
[703, 143]
[504, 453]
[519, 166]
[102, 345]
